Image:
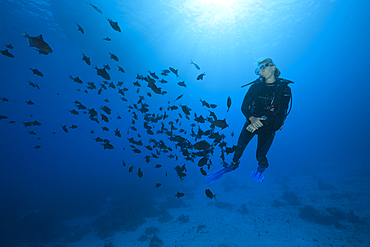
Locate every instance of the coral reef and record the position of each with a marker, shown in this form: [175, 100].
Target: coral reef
[244, 209]
[291, 198]
[200, 228]
[324, 186]
[155, 241]
[165, 217]
[183, 218]
[311, 214]
[277, 203]
[335, 215]
[223, 205]
[124, 216]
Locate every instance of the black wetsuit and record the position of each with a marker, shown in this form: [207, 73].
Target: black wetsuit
[264, 99]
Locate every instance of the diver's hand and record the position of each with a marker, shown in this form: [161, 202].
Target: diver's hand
[251, 128]
[256, 121]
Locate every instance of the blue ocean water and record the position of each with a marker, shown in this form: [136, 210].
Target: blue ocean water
[80, 185]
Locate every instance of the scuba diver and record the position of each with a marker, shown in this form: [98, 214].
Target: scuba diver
[265, 107]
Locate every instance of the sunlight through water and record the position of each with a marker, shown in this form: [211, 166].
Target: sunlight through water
[226, 3]
[234, 32]
[214, 16]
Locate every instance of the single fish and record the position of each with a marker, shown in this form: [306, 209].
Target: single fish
[228, 103]
[195, 65]
[181, 83]
[114, 57]
[179, 97]
[158, 166]
[80, 28]
[202, 161]
[200, 77]
[204, 103]
[107, 145]
[64, 127]
[33, 85]
[114, 25]
[153, 75]
[179, 194]
[36, 123]
[131, 169]
[200, 119]
[185, 109]
[165, 72]
[202, 145]
[106, 109]
[29, 102]
[86, 59]
[7, 53]
[96, 8]
[220, 123]
[37, 42]
[204, 173]
[175, 71]
[104, 118]
[36, 72]
[107, 39]
[210, 194]
[74, 112]
[77, 79]
[140, 173]
[102, 72]
[27, 124]
[121, 69]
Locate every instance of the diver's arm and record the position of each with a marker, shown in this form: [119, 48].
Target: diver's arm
[250, 95]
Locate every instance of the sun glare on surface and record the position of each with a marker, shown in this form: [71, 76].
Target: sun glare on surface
[215, 18]
[227, 3]
[212, 15]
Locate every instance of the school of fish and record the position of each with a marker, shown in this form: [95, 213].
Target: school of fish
[194, 138]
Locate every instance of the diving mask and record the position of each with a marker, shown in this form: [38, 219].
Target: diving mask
[262, 67]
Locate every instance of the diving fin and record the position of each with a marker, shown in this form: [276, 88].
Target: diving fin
[257, 176]
[213, 176]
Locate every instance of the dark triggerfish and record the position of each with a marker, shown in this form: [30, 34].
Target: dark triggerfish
[102, 72]
[37, 42]
[228, 103]
[7, 53]
[209, 194]
[114, 25]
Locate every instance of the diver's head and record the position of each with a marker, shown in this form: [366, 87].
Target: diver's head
[266, 68]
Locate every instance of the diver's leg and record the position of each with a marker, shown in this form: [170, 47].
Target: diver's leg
[244, 138]
[264, 143]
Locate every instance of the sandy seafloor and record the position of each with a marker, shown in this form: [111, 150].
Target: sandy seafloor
[270, 220]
